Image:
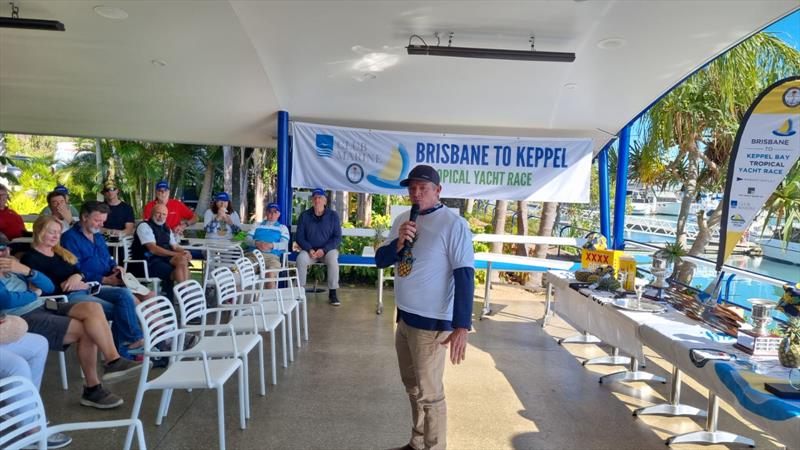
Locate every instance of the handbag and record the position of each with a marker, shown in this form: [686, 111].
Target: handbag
[12, 328]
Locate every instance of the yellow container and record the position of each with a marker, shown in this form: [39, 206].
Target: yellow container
[624, 265]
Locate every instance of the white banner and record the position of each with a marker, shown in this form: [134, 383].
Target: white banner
[766, 148]
[487, 167]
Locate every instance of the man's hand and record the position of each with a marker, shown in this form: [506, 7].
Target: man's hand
[406, 233]
[458, 345]
[65, 212]
[178, 230]
[11, 264]
[264, 246]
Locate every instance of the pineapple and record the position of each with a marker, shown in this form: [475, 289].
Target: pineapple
[789, 349]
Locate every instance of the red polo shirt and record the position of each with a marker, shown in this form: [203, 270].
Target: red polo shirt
[11, 223]
[176, 211]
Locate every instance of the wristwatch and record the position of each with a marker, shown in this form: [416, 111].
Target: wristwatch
[30, 273]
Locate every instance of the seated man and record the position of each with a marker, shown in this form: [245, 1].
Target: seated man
[120, 220]
[81, 323]
[61, 189]
[155, 243]
[271, 237]
[60, 209]
[179, 216]
[11, 223]
[319, 233]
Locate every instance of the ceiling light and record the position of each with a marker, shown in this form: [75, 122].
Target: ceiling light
[111, 12]
[158, 62]
[571, 86]
[611, 43]
[486, 53]
[375, 62]
[29, 24]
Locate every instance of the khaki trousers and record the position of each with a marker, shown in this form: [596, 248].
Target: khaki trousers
[331, 260]
[421, 357]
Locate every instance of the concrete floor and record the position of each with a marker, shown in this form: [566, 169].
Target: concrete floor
[517, 389]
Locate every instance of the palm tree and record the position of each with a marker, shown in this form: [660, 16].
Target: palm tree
[784, 204]
[689, 134]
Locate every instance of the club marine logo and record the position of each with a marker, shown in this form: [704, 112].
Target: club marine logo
[394, 171]
[324, 145]
[786, 129]
[734, 203]
[791, 97]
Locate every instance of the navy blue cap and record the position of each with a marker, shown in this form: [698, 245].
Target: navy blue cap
[61, 189]
[318, 191]
[4, 241]
[422, 173]
[162, 185]
[274, 206]
[223, 197]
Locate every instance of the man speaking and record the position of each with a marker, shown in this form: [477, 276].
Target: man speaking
[431, 248]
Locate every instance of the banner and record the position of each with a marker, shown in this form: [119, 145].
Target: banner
[767, 146]
[500, 168]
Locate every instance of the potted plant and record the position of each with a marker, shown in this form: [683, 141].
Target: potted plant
[789, 348]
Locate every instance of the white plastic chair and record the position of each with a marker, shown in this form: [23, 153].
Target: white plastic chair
[160, 326]
[293, 291]
[220, 257]
[62, 360]
[192, 304]
[23, 421]
[272, 299]
[228, 294]
[127, 244]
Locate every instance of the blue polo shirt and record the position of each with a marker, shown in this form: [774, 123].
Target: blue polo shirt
[94, 260]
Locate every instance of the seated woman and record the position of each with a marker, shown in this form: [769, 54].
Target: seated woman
[84, 324]
[59, 265]
[221, 221]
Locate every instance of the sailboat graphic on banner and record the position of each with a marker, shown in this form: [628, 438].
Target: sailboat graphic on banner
[395, 170]
[785, 130]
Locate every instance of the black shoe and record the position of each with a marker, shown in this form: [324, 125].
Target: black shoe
[332, 299]
[120, 368]
[100, 398]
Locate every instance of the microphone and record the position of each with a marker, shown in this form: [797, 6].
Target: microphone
[413, 218]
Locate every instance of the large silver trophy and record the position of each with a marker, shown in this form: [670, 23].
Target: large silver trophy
[761, 316]
[659, 270]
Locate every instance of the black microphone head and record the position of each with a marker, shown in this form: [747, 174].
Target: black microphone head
[414, 212]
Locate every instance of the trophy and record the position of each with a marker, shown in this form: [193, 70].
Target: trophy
[759, 341]
[659, 270]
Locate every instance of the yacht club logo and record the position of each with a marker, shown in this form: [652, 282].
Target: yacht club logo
[324, 145]
[786, 129]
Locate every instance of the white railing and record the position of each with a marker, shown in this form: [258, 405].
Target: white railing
[662, 227]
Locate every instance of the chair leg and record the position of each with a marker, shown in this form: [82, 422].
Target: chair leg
[297, 326]
[287, 319]
[305, 317]
[283, 342]
[274, 358]
[137, 405]
[162, 407]
[246, 384]
[62, 362]
[169, 401]
[244, 405]
[140, 435]
[261, 366]
[221, 414]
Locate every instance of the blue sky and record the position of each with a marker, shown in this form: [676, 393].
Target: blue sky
[788, 29]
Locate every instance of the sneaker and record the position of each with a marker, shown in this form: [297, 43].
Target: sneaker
[57, 440]
[100, 398]
[332, 298]
[119, 368]
[189, 341]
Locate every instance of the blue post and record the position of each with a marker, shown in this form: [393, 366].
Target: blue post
[283, 168]
[605, 199]
[621, 193]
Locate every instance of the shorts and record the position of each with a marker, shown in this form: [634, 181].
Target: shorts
[159, 267]
[52, 325]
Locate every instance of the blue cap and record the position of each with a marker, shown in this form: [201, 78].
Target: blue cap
[61, 189]
[162, 185]
[318, 191]
[222, 197]
[274, 206]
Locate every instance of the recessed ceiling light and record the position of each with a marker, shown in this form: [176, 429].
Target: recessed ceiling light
[611, 43]
[111, 12]
[571, 86]
[158, 62]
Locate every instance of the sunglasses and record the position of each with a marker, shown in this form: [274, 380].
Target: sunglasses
[111, 190]
[3, 247]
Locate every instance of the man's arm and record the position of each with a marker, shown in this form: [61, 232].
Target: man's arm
[336, 233]
[300, 235]
[188, 215]
[9, 300]
[387, 254]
